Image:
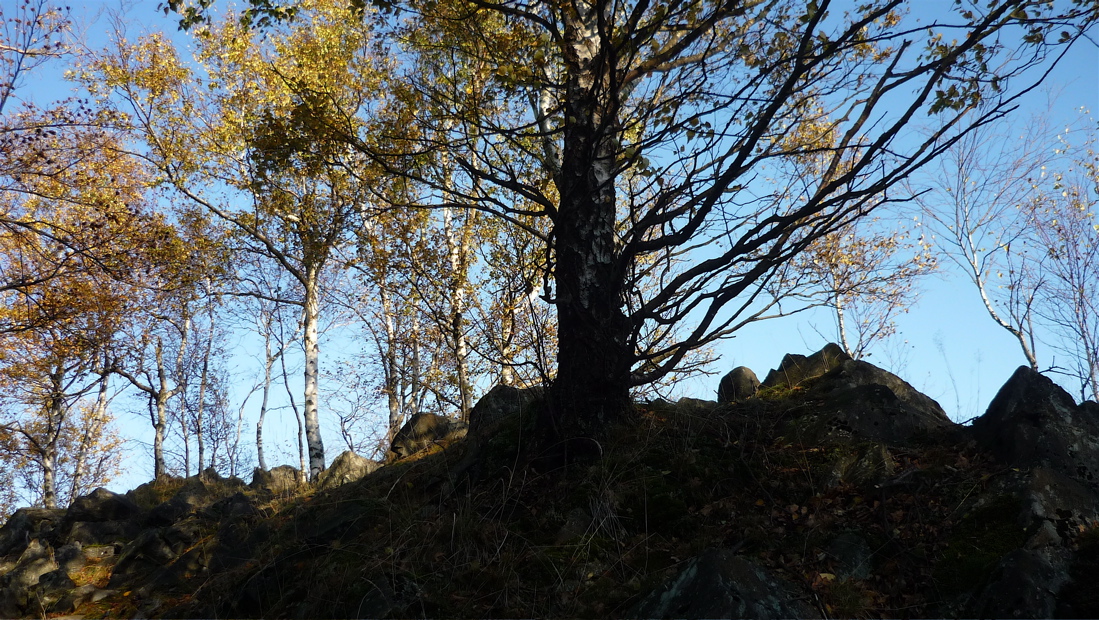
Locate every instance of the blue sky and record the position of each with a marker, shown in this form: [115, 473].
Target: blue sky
[947, 346]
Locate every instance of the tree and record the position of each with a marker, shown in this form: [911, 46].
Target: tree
[1064, 231]
[258, 126]
[661, 126]
[976, 200]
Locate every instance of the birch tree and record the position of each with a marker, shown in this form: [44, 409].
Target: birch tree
[251, 143]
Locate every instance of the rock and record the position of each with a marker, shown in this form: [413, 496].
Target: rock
[192, 496]
[279, 480]
[796, 369]
[15, 585]
[102, 505]
[740, 384]
[719, 584]
[73, 599]
[501, 402]
[347, 467]
[1024, 585]
[70, 557]
[854, 373]
[857, 401]
[424, 429]
[153, 549]
[26, 525]
[102, 532]
[695, 407]
[1032, 421]
[869, 465]
[51, 587]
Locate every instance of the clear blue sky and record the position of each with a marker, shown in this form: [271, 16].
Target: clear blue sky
[947, 346]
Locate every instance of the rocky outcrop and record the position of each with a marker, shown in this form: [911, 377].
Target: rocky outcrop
[720, 584]
[277, 480]
[425, 429]
[796, 369]
[857, 401]
[501, 402]
[739, 384]
[1032, 422]
[347, 467]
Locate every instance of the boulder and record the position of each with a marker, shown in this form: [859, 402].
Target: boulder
[424, 429]
[347, 467]
[719, 584]
[740, 384]
[278, 480]
[796, 369]
[102, 505]
[97, 533]
[26, 525]
[1032, 421]
[501, 402]
[51, 587]
[192, 496]
[857, 401]
[153, 549]
[15, 585]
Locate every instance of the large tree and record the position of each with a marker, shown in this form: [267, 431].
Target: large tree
[668, 133]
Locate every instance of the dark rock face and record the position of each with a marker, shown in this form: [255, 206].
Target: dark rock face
[424, 429]
[795, 369]
[26, 525]
[740, 384]
[719, 584]
[102, 505]
[347, 467]
[1032, 421]
[857, 401]
[499, 403]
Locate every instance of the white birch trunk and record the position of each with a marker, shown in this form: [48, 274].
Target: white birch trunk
[311, 316]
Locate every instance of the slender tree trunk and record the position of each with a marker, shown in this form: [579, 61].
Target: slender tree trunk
[203, 382]
[456, 250]
[92, 430]
[595, 353]
[392, 375]
[311, 341]
[268, 362]
[302, 471]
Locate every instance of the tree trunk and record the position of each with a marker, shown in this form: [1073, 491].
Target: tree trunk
[268, 362]
[92, 429]
[595, 355]
[456, 252]
[315, 444]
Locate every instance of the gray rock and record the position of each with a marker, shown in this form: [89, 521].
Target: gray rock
[102, 532]
[70, 557]
[26, 525]
[1024, 585]
[152, 549]
[102, 505]
[424, 429]
[501, 402]
[740, 384]
[73, 599]
[1032, 421]
[796, 369]
[719, 584]
[850, 374]
[192, 496]
[347, 467]
[279, 480]
[51, 587]
[15, 585]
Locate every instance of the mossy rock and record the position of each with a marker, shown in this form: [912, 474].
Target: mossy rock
[977, 544]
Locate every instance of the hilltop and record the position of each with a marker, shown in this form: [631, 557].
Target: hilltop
[830, 489]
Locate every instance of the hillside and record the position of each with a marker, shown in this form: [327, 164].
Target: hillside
[834, 489]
